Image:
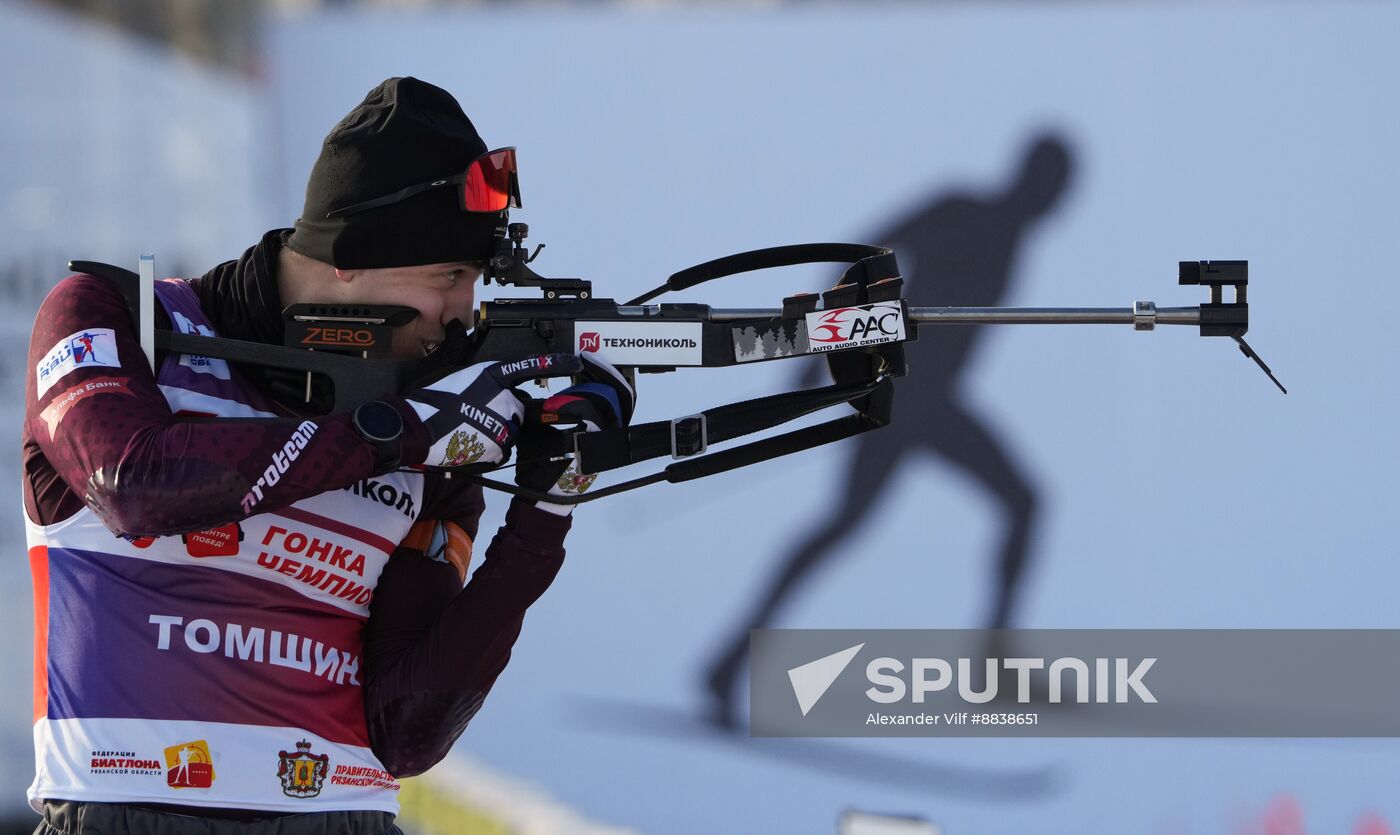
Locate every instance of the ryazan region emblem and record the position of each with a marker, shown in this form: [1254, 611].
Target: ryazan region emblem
[302, 773]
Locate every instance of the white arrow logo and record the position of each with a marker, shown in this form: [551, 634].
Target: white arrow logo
[811, 680]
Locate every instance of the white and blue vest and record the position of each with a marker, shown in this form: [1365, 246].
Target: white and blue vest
[220, 668]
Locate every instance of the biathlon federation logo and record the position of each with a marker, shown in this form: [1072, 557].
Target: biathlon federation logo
[303, 773]
[189, 765]
[85, 349]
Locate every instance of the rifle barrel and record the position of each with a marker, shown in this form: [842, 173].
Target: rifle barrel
[1049, 315]
[1010, 315]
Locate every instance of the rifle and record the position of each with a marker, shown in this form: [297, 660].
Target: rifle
[859, 326]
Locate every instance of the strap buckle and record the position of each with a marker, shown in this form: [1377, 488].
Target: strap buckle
[689, 436]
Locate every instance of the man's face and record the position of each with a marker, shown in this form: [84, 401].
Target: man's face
[439, 292]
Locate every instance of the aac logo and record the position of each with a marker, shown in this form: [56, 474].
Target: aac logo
[588, 341]
[878, 322]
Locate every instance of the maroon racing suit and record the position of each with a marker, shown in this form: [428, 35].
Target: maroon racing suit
[432, 648]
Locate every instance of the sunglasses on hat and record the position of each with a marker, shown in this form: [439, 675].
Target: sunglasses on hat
[490, 184]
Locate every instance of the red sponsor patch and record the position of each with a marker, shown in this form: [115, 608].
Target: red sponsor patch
[54, 412]
[216, 542]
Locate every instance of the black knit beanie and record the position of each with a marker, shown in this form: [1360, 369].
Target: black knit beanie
[404, 133]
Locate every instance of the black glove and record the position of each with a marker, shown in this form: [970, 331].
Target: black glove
[604, 400]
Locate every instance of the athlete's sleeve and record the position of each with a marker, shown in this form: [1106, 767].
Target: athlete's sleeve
[434, 649]
[104, 431]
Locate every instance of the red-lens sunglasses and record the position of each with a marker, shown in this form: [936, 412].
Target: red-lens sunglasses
[490, 184]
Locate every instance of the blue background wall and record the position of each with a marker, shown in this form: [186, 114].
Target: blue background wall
[1178, 488]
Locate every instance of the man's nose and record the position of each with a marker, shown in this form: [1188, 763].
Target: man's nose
[459, 303]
